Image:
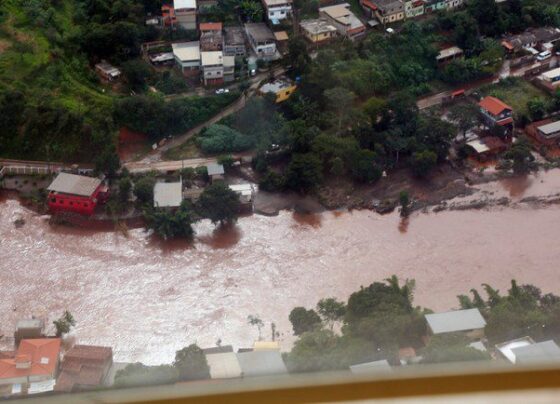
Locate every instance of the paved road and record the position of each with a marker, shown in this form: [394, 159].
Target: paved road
[157, 155]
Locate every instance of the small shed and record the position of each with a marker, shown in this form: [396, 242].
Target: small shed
[469, 322]
[506, 349]
[541, 352]
[215, 171]
[168, 194]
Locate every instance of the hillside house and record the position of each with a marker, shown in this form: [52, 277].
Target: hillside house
[551, 79]
[468, 322]
[531, 38]
[388, 11]
[318, 30]
[346, 23]
[84, 367]
[448, 54]
[187, 57]
[262, 40]
[185, 13]
[212, 64]
[496, 112]
[224, 365]
[32, 369]
[234, 41]
[452, 4]
[413, 8]
[277, 10]
[434, 5]
[76, 193]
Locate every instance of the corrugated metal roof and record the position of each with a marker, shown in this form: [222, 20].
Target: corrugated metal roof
[546, 351]
[215, 169]
[550, 128]
[458, 320]
[168, 194]
[74, 184]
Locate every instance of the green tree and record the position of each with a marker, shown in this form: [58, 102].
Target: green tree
[364, 167]
[465, 117]
[304, 172]
[331, 310]
[124, 185]
[137, 73]
[337, 167]
[191, 363]
[404, 201]
[298, 55]
[219, 204]
[422, 162]
[64, 324]
[451, 348]
[170, 224]
[304, 320]
[340, 102]
[144, 189]
[520, 155]
[537, 108]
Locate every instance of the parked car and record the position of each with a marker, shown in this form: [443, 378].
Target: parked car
[222, 91]
[544, 55]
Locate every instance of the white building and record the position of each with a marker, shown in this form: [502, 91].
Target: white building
[168, 194]
[187, 56]
[212, 67]
[277, 10]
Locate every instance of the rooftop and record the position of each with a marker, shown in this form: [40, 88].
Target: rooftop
[41, 354]
[449, 52]
[187, 50]
[317, 26]
[272, 3]
[493, 105]
[234, 35]
[224, 365]
[84, 365]
[281, 36]
[181, 4]
[458, 320]
[391, 5]
[29, 323]
[168, 194]
[550, 128]
[74, 184]
[212, 58]
[215, 169]
[260, 363]
[540, 352]
[108, 69]
[259, 345]
[218, 349]
[371, 367]
[259, 31]
[506, 348]
[342, 14]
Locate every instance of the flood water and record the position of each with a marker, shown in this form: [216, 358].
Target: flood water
[147, 299]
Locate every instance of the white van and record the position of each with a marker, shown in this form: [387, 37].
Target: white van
[544, 55]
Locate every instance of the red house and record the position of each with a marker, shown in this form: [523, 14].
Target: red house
[76, 193]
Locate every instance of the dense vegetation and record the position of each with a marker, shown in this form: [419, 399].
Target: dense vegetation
[379, 319]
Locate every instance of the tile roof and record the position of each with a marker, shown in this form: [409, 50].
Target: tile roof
[74, 184]
[210, 26]
[493, 105]
[84, 366]
[42, 354]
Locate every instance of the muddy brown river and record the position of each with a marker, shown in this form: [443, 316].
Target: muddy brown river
[147, 300]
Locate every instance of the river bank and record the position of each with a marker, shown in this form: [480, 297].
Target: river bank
[147, 299]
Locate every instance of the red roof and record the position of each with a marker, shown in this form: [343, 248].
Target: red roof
[493, 105]
[42, 354]
[210, 26]
[369, 4]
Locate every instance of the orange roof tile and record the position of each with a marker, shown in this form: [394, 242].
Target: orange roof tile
[210, 26]
[43, 354]
[493, 105]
